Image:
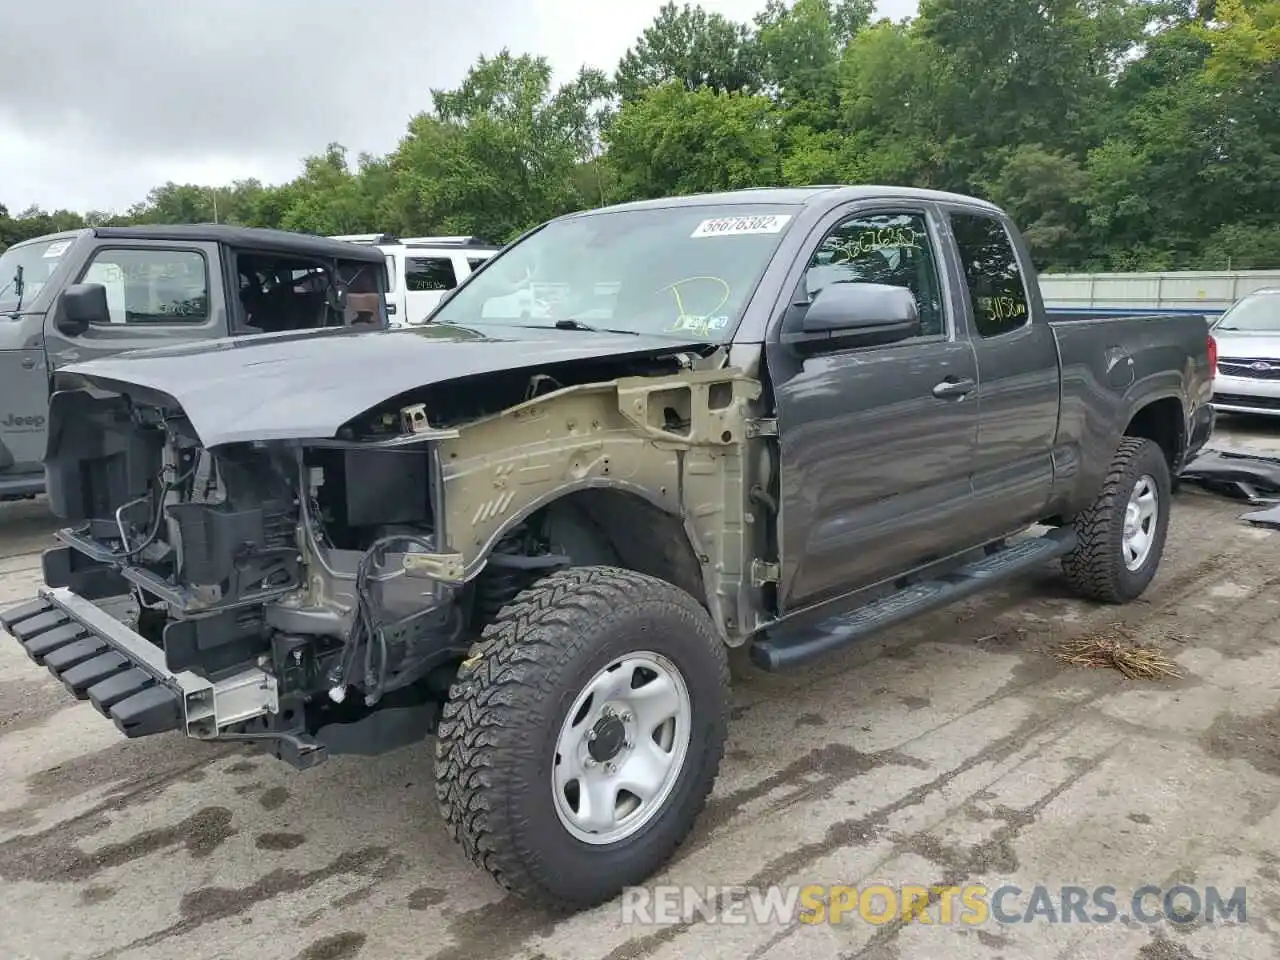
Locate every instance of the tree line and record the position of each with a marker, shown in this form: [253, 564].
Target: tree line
[1120, 134]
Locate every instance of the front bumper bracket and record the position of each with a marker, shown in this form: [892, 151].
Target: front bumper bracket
[124, 675]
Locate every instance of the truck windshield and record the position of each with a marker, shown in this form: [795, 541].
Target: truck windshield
[1256, 313]
[683, 271]
[27, 268]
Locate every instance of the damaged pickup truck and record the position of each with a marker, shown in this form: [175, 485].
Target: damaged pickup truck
[778, 420]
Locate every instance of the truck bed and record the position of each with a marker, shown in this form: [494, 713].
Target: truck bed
[1114, 365]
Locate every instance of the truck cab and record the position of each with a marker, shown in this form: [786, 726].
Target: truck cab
[85, 294]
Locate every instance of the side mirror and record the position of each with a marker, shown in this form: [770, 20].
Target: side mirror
[857, 315]
[83, 304]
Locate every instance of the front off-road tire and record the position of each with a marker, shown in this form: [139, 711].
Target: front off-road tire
[1099, 568]
[501, 751]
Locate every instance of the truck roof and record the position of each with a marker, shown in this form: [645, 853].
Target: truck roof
[825, 195]
[279, 241]
[260, 237]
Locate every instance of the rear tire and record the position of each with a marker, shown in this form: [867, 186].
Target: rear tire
[1121, 535]
[544, 678]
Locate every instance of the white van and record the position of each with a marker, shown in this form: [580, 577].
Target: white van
[420, 270]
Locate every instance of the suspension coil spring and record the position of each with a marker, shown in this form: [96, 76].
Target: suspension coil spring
[500, 582]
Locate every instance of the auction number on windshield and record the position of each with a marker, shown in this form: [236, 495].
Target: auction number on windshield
[703, 290]
[738, 226]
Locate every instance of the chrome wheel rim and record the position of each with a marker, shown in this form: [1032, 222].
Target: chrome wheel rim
[621, 748]
[1140, 517]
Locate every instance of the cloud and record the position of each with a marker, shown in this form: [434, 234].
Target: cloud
[100, 102]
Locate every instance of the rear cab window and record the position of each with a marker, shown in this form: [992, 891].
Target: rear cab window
[993, 274]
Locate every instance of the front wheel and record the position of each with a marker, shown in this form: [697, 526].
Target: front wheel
[1121, 535]
[583, 735]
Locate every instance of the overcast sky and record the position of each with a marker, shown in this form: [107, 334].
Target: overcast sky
[99, 102]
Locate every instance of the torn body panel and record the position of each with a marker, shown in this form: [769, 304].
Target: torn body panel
[678, 442]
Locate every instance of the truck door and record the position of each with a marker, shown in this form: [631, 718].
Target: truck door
[876, 443]
[157, 293]
[28, 273]
[24, 407]
[1018, 377]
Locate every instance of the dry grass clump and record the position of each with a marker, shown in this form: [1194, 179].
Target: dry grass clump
[1116, 649]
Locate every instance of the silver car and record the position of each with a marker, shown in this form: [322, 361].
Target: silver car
[1248, 337]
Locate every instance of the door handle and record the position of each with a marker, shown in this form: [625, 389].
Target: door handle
[950, 387]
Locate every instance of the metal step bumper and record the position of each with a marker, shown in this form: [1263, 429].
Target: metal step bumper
[124, 675]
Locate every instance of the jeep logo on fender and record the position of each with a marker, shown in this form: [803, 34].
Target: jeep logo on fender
[15, 422]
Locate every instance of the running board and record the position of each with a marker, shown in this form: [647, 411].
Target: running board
[779, 647]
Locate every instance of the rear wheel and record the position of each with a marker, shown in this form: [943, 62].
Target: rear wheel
[1122, 534]
[583, 734]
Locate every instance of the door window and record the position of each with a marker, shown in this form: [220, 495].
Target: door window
[889, 248]
[426, 274]
[281, 292]
[152, 286]
[992, 273]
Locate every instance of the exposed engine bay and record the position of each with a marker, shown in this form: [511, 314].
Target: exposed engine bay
[289, 566]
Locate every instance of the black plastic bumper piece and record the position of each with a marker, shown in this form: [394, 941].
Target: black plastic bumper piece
[94, 669]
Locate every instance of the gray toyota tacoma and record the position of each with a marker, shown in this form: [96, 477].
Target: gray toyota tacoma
[777, 420]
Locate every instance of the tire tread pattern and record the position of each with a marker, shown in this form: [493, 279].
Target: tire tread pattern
[489, 721]
[1094, 567]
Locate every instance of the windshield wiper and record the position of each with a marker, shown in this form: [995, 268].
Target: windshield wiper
[572, 324]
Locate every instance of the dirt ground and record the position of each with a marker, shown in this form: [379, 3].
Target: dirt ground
[956, 750]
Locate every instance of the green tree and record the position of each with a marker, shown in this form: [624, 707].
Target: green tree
[499, 153]
[1244, 36]
[1019, 72]
[677, 141]
[1193, 146]
[892, 85]
[329, 198]
[800, 48]
[1043, 192]
[689, 45]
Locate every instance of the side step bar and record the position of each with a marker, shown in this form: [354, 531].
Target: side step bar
[780, 646]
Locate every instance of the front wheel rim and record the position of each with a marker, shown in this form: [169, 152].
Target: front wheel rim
[621, 748]
[1141, 517]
